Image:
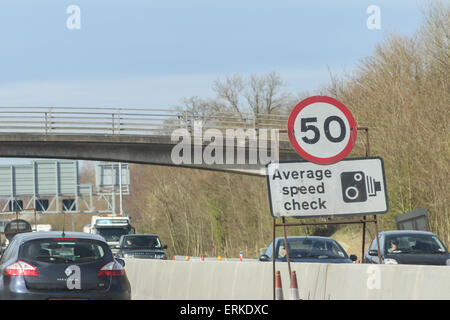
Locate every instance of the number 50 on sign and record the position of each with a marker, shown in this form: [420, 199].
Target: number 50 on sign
[322, 130]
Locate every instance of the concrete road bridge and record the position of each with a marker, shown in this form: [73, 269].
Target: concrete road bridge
[147, 136]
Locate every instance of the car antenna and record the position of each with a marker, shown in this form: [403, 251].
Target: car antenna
[64, 223]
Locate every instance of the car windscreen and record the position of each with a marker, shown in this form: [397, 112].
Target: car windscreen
[134, 242]
[312, 248]
[413, 243]
[63, 251]
[113, 234]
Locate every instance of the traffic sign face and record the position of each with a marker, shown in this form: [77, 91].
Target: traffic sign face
[347, 188]
[322, 130]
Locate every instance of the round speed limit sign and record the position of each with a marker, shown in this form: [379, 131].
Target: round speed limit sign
[322, 130]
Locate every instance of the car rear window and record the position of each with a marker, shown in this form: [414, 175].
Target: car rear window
[151, 242]
[63, 251]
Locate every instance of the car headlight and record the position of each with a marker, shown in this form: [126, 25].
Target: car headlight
[447, 262]
[127, 255]
[390, 261]
[160, 256]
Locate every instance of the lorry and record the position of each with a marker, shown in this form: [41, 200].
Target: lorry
[110, 227]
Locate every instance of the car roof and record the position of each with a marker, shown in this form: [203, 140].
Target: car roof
[404, 232]
[305, 237]
[26, 236]
[139, 235]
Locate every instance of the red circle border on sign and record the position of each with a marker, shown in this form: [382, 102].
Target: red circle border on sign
[353, 131]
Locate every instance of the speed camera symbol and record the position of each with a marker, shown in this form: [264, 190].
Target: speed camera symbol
[356, 186]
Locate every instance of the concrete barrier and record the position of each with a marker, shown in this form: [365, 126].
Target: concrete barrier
[253, 280]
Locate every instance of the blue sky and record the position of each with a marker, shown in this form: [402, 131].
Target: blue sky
[153, 53]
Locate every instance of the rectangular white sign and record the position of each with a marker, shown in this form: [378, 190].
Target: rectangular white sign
[348, 187]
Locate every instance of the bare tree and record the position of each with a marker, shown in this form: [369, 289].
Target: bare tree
[263, 94]
[231, 92]
[436, 35]
[259, 94]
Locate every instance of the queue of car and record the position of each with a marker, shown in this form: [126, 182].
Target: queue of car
[71, 265]
[78, 265]
[396, 247]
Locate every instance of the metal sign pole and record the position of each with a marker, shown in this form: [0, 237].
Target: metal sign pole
[378, 239]
[363, 238]
[366, 130]
[120, 188]
[273, 257]
[286, 246]
[276, 159]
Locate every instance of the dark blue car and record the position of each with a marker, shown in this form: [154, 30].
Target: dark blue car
[308, 249]
[56, 265]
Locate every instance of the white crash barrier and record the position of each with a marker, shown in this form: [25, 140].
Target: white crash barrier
[253, 280]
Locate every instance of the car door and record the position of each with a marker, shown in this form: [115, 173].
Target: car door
[373, 246]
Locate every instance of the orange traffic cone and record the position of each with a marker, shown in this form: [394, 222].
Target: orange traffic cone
[294, 287]
[202, 258]
[278, 287]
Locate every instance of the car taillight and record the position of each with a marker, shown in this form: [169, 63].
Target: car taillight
[111, 269]
[21, 268]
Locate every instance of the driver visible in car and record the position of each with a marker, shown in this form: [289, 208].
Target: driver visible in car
[393, 247]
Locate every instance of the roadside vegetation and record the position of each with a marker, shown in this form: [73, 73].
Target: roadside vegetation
[401, 92]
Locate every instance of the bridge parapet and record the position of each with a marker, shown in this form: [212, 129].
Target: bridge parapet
[129, 121]
[143, 136]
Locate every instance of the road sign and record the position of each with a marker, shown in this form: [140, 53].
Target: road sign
[322, 130]
[413, 220]
[16, 226]
[349, 187]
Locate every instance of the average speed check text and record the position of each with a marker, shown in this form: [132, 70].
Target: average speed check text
[295, 191]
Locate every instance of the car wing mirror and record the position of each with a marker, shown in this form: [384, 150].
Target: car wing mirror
[264, 257]
[353, 257]
[373, 252]
[164, 246]
[121, 262]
